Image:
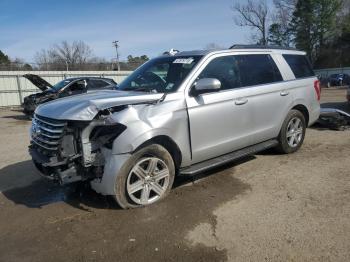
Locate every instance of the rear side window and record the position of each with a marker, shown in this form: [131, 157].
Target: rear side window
[97, 83]
[257, 70]
[300, 65]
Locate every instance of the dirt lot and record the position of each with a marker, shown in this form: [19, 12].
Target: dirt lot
[265, 208]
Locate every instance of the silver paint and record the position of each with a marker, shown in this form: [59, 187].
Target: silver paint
[202, 127]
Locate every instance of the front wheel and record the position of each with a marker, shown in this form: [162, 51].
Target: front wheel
[146, 178]
[292, 133]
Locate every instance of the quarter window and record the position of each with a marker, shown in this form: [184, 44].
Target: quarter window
[97, 83]
[300, 65]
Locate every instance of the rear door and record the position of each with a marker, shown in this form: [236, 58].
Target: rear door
[270, 98]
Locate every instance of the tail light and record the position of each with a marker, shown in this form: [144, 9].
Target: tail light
[317, 87]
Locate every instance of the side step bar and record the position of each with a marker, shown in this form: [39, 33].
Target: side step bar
[224, 159]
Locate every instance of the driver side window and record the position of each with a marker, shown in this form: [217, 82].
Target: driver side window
[78, 86]
[224, 69]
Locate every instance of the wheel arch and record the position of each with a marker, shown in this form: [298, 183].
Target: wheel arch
[303, 109]
[169, 144]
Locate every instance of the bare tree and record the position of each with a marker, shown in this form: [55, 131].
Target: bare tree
[285, 8]
[253, 14]
[279, 30]
[64, 56]
[43, 59]
[75, 54]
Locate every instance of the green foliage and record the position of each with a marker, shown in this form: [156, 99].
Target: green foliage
[4, 59]
[27, 67]
[314, 25]
[337, 53]
[137, 59]
[278, 35]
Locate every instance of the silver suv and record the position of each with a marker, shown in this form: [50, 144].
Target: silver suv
[178, 114]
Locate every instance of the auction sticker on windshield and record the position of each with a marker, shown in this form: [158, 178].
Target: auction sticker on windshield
[183, 60]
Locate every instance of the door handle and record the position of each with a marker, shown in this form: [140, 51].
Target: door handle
[284, 93]
[241, 101]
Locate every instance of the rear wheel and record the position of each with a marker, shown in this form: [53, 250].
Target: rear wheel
[146, 178]
[292, 133]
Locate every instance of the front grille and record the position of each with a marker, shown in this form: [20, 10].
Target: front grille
[47, 133]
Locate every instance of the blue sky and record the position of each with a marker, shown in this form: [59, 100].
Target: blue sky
[142, 27]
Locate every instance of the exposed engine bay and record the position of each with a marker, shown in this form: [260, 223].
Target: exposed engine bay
[69, 151]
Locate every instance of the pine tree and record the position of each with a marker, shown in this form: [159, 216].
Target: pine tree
[314, 24]
[4, 59]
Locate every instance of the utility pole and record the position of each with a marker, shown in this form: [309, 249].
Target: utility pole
[115, 43]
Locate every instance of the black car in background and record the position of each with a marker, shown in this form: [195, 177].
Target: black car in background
[66, 87]
[338, 80]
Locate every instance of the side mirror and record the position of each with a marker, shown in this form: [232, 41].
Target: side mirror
[206, 85]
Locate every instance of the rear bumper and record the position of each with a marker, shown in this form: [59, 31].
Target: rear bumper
[314, 115]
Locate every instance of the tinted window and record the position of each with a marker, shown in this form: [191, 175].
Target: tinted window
[62, 84]
[242, 70]
[96, 83]
[258, 69]
[225, 70]
[300, 65]
[77, 86]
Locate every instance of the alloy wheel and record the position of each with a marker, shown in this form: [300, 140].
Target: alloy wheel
[295, 132]
[148, 180]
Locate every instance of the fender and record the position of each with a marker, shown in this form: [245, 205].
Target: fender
[145, 122]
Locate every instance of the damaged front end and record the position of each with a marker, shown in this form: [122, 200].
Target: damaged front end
[70, 151]
[334, 119]
[31, 102]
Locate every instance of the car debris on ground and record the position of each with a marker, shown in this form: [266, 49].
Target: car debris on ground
[335, 119]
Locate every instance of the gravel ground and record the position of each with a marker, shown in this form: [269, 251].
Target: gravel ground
[266, 207]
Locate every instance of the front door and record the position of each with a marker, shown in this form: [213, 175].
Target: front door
[219, 122]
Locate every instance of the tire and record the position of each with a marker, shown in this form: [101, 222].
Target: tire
[151, 171]
[292, 133]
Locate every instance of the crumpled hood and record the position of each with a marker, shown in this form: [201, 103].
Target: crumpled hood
[85, 107]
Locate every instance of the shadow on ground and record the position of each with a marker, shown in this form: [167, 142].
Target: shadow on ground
[18, 117]
[22, 184]
[98, 224]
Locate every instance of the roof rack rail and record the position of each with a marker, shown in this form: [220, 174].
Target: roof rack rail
[261, 47]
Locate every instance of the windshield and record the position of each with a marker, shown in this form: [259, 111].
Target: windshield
[161, 75]
[61, 84]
